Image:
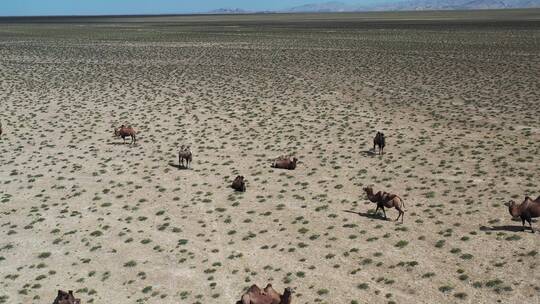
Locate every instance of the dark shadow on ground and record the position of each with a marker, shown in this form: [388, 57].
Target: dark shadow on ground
[512, 228]
[179, 167]
[369, 153]
[376, 216]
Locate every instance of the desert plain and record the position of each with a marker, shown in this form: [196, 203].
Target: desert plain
[457, 95]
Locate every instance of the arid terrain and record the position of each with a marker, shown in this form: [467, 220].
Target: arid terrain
[457, 95]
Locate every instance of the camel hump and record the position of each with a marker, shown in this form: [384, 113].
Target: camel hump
[254, 288]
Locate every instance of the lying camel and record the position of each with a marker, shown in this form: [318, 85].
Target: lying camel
[254, 295]
[239, 184]
[285, 163]
[185, 154]
[124, 132]
[527, 210]
[388, 200]
[66, 298]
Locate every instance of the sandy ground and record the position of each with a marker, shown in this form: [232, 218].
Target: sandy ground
[120, 223]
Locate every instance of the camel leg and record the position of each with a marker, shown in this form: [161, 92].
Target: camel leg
[523, 223]
[384, 212]
[530, 224]
[401, 213]
[377, 210]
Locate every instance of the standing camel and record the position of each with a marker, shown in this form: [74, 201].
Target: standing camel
[388, 200]
[184, 154]
[527, 210]
[124, 132]
[379, 141]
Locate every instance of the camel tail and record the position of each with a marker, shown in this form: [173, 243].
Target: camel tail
[402, 203]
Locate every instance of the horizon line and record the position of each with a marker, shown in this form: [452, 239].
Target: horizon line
[263, 12]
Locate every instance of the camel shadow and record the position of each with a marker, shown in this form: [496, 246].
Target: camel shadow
[179, 167]
[512, 228]
[375, 216]
[370, 153]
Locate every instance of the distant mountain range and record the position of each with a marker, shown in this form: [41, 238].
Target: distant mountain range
[230, 11]
[405, 5]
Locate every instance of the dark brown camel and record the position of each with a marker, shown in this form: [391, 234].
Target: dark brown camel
[254, 295]
[527, 210]
[66, 298]
[124, 132]
[379, 141]
[239, 184]
[285, 163]
[388, 200]
[185, 154]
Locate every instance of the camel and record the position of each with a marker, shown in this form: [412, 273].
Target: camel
[379, 141]
[254, 295]
[185, 154]
[1, 129]
[239, 184]
[285, 163]
[66, 298]
[388, 200]
[124, 132]
[527, 210]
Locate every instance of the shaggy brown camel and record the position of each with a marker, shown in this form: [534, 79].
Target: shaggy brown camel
[185, 154]
[379, 141]
[254, 295]
[239, 184]
[66, 298]
[124, 132]
[285, 163]
[388, 200]
[527, 210]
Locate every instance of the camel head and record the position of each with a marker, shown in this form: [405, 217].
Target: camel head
[287, 296]
[368, 190]
[512, 208]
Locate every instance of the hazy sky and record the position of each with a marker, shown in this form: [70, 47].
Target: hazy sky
[104, 7]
